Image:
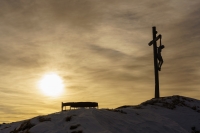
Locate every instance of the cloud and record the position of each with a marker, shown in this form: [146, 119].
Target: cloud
[78, 14]
[15, 57]
[111, 67]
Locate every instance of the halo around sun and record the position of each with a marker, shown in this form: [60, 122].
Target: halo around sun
[51, 84]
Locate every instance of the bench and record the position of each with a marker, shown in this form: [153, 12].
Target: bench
[79, 105]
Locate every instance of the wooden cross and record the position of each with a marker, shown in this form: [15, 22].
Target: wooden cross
[156, 69]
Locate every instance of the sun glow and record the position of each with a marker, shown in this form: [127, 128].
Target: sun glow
[51, 84]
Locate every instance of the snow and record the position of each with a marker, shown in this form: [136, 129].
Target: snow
[175, 114]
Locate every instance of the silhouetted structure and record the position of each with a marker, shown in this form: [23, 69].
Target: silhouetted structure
[160, 59]
[79, 105]
[157, 57]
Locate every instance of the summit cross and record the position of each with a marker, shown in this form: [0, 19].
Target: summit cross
[157, 57]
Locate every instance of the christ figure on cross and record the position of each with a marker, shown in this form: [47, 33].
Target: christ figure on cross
[160, 59]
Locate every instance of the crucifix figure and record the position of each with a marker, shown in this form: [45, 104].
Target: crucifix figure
[157, 57]
[160, 59]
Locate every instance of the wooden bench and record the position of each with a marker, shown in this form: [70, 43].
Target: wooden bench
[79, 105]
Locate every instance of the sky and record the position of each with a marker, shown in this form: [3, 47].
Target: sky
[100, 50]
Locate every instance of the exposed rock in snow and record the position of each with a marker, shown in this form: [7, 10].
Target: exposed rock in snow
[174, 102]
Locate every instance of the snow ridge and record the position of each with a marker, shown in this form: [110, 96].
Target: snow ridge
[174, 114]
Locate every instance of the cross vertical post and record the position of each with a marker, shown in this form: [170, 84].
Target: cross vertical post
[157, 93]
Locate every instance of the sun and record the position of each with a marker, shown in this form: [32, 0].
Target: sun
[51, 84]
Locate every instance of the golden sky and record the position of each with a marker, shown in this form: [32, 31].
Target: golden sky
[100, 50]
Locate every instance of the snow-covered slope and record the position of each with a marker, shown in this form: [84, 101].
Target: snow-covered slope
[175, 114]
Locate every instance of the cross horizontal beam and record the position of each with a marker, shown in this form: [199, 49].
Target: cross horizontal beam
[156, 39]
